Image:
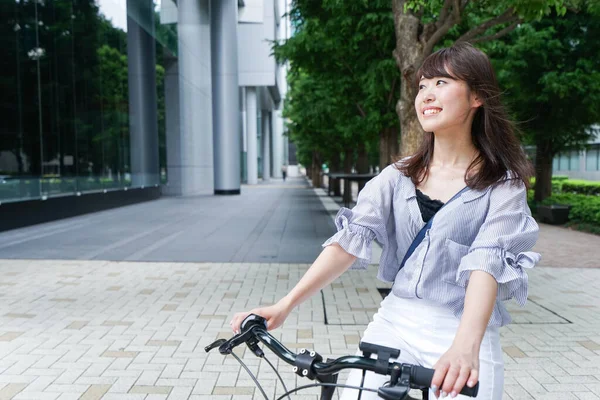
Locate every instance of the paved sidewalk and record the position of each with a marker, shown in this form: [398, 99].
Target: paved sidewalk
[563, 247]
[110, 330]
[100, 329]
[274, 222]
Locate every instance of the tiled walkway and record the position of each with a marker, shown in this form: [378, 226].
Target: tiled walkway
[99, 329]
[94, 329]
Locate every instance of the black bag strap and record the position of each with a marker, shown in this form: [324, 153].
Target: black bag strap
[421, 235]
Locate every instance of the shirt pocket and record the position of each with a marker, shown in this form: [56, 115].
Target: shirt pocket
[452, 254]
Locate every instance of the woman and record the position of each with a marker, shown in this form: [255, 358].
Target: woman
[446, 306]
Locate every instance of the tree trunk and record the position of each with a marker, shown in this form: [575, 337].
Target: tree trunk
[348, 160]
[388, 146]
[412, 133]
[336, 166]
[316, 170]
[543, 170]
[362, 164]
[409, 56]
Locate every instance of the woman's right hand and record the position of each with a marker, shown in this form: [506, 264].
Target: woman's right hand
[275, 315]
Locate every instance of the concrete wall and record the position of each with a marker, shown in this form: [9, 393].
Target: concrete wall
[256, 66]
[587, 175]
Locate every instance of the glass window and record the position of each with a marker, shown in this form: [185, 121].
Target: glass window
[574, 161]
[563, 162]
[64, 91]
[592, 157]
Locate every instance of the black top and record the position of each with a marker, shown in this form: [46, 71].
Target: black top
[427, 206]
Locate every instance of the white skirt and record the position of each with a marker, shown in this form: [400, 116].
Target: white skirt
[424, 331]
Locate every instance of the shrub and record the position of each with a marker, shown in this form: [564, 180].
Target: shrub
[584, 227]
[581, 187]
[557, 183]
[532, 204]
[584, 209]
[557, 186]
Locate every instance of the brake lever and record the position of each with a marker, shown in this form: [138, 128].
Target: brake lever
[214, 344]
[393, 392]
[226, 346]
[399, 384]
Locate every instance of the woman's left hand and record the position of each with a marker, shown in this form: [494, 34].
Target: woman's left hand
[457, 366]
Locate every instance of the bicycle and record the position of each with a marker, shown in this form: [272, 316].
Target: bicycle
[310, 364]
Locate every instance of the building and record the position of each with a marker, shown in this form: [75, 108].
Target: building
[580, 164]
[109, 102]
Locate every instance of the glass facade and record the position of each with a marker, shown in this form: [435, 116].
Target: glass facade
[568, 161]
[66, 92]
[592, 158]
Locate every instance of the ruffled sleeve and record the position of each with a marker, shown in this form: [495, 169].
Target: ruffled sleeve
[503, 243]
[369, 220]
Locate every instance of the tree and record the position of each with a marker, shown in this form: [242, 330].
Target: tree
[421, 25]
[309, 109]
[313, 127]
[340, 53]
[551, 71]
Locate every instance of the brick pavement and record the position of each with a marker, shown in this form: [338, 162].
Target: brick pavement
[110, 330]
[567, 248]
[84, 329]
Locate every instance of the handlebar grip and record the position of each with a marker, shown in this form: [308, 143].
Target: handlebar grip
[422, 376]
[471, 392]
[253, 319]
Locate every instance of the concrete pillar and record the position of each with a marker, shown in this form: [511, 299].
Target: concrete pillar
[225, 91]
[266, 146]
[192, 151]
[251, 130]
[244, 135]
[173, 133]
[143, 124]
[277, 124]
[286, 147]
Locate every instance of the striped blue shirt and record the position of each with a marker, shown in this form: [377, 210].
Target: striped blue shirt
[490, 230]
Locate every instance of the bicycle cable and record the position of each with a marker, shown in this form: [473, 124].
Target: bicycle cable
[337, 385]
[362, 383]
[251, 375]
[288, 392]
[279, 376]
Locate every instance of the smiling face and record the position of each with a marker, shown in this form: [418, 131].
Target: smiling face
[445, 103]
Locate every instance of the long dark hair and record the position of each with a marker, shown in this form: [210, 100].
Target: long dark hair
[492, 132]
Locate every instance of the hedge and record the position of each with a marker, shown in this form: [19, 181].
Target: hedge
[562, 184]
[585, 209]
[582, 196]
[557, 183]
[581, 187]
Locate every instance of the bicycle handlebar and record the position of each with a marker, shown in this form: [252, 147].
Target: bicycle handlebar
[254, 330]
